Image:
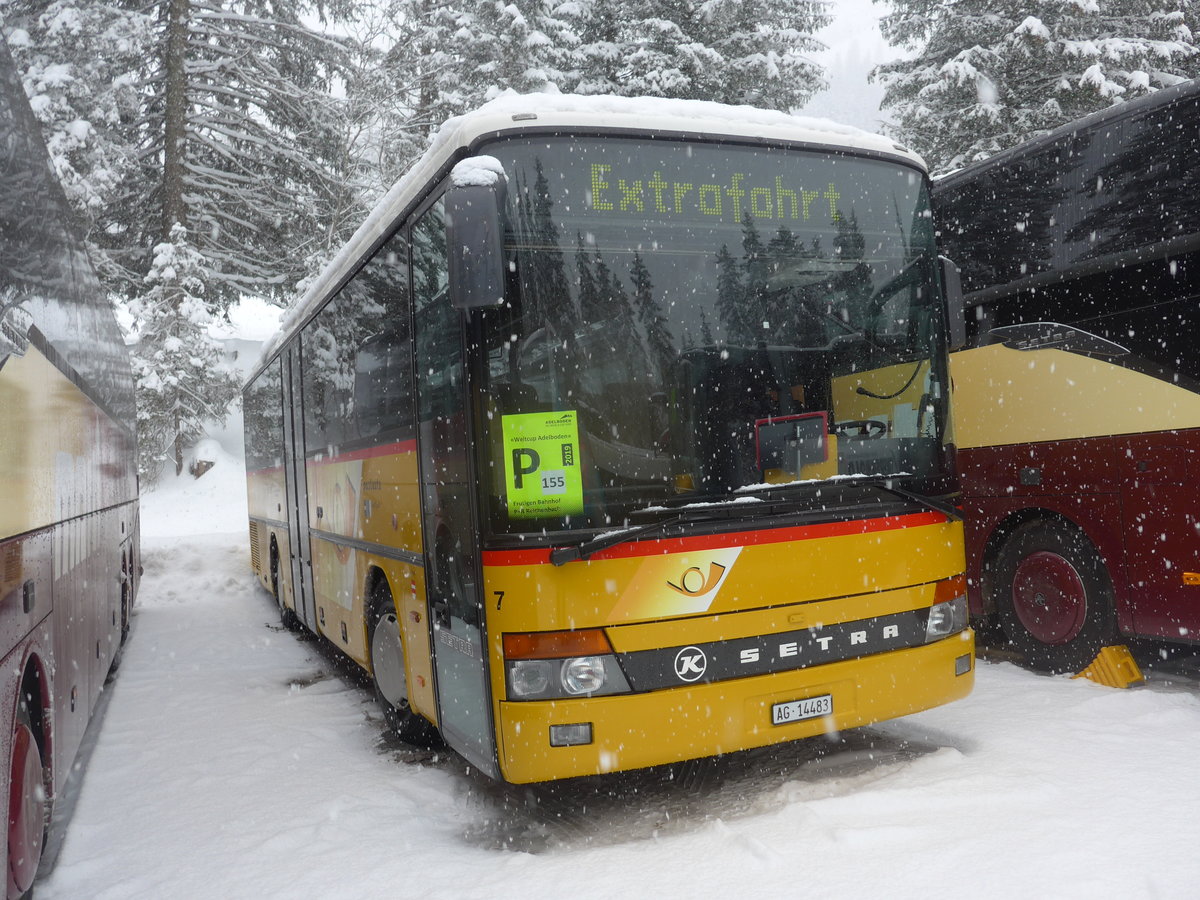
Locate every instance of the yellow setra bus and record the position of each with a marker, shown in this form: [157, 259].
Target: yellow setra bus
[619, 435]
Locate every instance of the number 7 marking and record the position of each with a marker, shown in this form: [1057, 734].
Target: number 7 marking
[499, 599]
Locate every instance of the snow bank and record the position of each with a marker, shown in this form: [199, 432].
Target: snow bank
[214, 503]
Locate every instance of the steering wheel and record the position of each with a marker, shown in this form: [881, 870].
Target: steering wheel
[856, 429]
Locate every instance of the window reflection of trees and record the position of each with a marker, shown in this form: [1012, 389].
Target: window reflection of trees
[1102, 196]
[370, 314]
[606, 305]
[1006, 224]
[784, 291]
[263, 414]
[1141, 184]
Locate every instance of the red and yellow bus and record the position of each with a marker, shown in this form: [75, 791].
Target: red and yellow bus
[619, 435]
[1078, 403]
[69, 554]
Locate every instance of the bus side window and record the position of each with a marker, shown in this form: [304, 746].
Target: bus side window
[263, 412]
[319, 356]
[370, 313]
[383, 384]
[439, 370]
[383, 390]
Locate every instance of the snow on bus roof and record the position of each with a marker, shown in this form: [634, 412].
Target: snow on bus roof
[657, 113]
[510, 110]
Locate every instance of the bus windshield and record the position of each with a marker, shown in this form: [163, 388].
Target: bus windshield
[686, 321]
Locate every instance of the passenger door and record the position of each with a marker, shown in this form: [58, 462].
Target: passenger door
[299, 547]
[449, 524]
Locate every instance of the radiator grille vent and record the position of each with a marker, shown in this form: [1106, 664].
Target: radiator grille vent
[254, 557]
[12, 564]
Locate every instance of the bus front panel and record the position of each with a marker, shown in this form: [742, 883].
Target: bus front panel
[707, 640]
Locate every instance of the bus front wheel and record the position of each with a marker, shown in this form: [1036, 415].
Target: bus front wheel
[26, 807]
[391, 681]
[1053, 596]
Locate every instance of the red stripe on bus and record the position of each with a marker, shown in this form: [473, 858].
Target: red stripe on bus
[663, 546]
[409, 446]
[269, 470]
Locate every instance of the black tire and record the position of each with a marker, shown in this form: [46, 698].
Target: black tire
[27, 807]
[119, 653]
[388, 672]
[126, 600]
[1053, 596]
[287, 615]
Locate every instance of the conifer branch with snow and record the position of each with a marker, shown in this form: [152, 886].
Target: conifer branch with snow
[988, 75]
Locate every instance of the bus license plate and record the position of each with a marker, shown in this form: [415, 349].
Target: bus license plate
[799, 710]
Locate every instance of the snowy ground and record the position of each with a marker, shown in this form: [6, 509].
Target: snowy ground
[239, 761]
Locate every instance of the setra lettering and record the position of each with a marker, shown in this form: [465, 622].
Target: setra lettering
[792, 649]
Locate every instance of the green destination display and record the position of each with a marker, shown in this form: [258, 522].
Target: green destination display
[541, 464]
[623, 189]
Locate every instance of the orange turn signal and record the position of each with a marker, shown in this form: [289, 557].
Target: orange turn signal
[556, 644]
[950, 588]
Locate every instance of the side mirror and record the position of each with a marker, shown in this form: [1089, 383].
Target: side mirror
[475, 233]
[957, 319]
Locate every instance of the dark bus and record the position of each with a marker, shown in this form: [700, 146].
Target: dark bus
[1077, 402]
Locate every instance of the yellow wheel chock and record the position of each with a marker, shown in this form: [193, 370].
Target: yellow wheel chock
[1113, 667]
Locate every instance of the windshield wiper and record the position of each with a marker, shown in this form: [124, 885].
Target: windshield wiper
[709, 512]
[762, 506]
[562, 555]
[935, 503]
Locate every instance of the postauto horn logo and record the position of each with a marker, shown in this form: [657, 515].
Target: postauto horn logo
[695, 583]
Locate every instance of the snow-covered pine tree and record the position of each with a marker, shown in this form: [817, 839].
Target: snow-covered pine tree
[181, 386]
[525, 47]
[732, 51]
[989, 74]
[453, 55]
[212, 115]
[380, 138]
[242, 120]
[80, 70]
[225, 108]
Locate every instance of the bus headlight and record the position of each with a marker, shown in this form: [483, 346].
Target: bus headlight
[946, 618]
[583, 674]
[548, 665]
[529, 677]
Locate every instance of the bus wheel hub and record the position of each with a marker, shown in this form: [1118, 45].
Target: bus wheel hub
[1049, 597]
